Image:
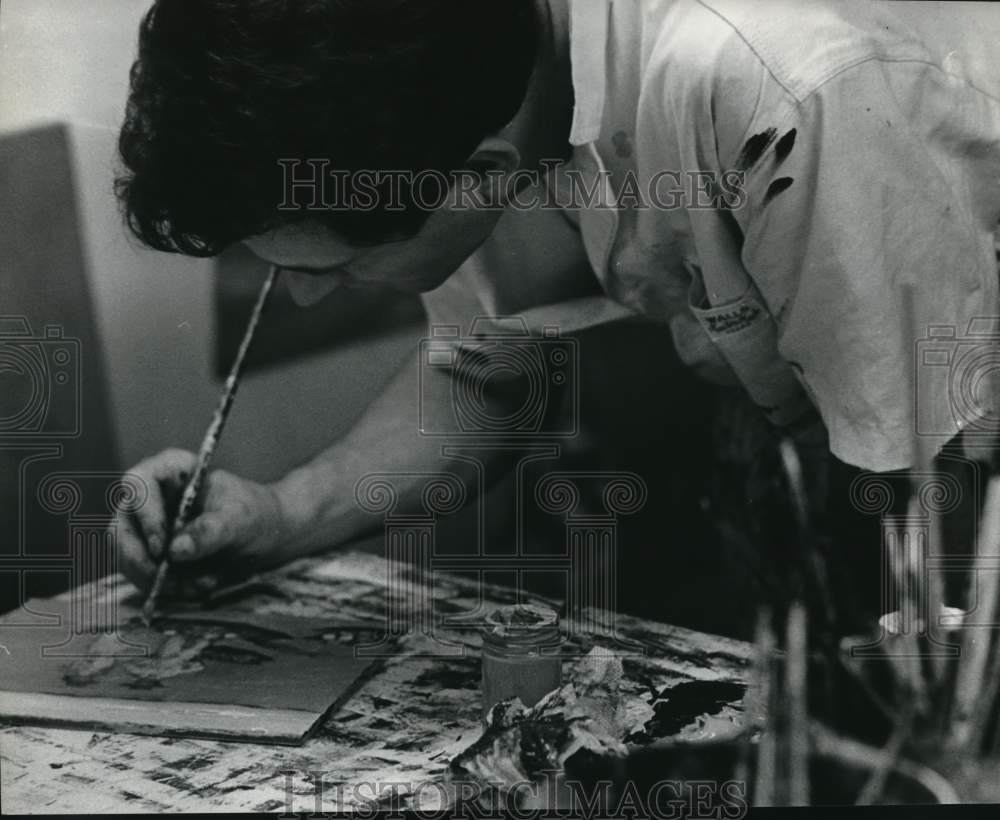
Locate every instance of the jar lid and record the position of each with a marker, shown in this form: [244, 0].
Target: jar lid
[522, 625]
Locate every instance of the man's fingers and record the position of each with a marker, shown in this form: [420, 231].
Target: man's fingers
[163, 474]
[173, 465]
[184, 548]
[206, 535]
[150, 518]
[135, 562]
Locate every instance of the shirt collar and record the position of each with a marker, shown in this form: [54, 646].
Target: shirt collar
[589, 27]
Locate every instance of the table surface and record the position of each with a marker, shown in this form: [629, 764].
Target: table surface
[402, 726]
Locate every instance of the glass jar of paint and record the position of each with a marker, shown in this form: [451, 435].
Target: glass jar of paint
[521, 654]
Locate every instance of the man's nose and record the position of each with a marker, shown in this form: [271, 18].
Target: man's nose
[307, 289]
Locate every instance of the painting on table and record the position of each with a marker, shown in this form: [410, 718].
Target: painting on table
[222, 673]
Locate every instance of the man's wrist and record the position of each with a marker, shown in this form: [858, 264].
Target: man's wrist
[295, 504]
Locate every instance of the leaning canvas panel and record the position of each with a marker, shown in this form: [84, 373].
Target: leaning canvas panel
[55, 413]
[88, 661]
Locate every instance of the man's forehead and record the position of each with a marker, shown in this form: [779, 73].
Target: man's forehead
[301, 246]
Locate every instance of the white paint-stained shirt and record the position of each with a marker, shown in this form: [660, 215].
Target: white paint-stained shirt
[865, 141]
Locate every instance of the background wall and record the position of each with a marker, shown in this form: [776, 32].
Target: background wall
[67, 61]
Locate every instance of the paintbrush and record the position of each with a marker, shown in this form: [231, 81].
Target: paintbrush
[797, 704]
[766, 701]
[970, 708]
[919, 593]
[814, 562]
[208, 444]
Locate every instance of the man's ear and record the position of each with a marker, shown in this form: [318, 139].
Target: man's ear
[496, 160]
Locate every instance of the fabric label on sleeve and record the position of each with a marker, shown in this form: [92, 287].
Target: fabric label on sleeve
[745, 333]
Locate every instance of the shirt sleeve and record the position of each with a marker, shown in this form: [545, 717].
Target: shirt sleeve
[856, 207]
[534, 267]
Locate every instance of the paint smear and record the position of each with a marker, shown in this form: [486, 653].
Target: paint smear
[779, 186]
[784, 147]
[755, 148]
[679, 706]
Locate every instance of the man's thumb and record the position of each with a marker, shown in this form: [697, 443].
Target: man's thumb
[184, 548]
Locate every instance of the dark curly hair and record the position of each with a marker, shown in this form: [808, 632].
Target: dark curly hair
[223, 89]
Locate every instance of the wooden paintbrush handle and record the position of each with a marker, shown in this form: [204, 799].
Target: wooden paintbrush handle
[211, 439]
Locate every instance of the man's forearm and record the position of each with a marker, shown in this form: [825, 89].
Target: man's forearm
[318, 499]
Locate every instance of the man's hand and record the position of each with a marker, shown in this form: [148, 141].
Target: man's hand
[238, 527]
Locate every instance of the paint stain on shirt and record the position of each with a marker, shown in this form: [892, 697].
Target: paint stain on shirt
[754, 149]
[623, 144]
[778, 187]
[784, 147]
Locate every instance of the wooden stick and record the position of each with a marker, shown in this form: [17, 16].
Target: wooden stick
[796, 675]
[814, 560]
[855, 753]
[767, 747]
[209, 443]
[984, 587]
[873, 789]
[990, 704]
[931, 598]
[793, 472]
[905, 656]
[858, 674]
[987, 703]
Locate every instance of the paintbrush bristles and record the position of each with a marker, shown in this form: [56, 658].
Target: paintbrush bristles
[208, 444]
